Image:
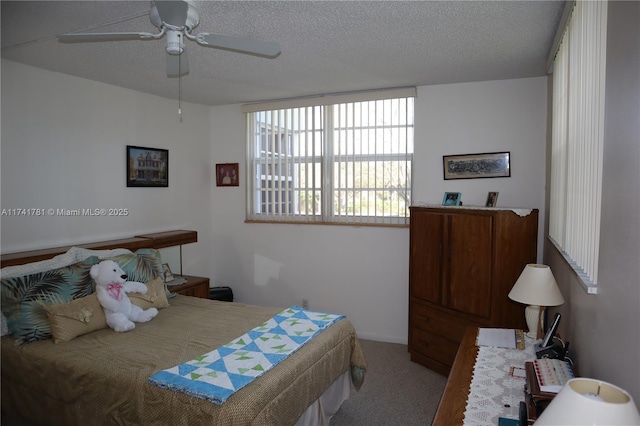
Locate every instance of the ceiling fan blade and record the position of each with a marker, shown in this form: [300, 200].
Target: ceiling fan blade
[177, 65]
[172, 12]
[267, 49]
[91, 37]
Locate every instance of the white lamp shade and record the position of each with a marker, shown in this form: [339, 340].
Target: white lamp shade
[536, 286]
[585, 401]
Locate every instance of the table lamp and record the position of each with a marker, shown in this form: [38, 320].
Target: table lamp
[584, 401]
[537, 288]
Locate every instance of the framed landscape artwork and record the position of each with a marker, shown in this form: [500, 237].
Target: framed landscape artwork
[474, 166]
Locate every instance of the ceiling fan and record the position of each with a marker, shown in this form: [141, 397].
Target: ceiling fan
[176, 20]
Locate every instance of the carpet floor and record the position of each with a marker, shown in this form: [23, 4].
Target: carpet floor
[396, 391]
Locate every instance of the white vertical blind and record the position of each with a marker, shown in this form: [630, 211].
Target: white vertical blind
[286, 168]
[371, 159]
[348, 162]
[578, 139]
[558, 199]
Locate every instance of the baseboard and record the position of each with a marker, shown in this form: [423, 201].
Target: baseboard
[384, 339]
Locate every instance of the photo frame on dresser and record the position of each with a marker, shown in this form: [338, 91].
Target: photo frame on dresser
[168, 275]
[452, 199]
[492, 199]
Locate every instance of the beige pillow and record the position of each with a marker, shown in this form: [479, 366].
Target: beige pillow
[75, 318]
[84, 315]
[155, 297]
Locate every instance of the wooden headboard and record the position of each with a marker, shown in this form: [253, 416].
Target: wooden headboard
[156, 240]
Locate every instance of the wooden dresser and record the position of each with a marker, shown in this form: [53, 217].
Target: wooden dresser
[463, 263]
[195, 286]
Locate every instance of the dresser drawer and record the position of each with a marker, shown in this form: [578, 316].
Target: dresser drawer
[435, 347]
[438, 323]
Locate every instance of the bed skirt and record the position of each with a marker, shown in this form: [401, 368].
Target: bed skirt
[323, 409]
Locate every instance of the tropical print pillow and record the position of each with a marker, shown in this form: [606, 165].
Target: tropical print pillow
[142, 266]
[23, 298]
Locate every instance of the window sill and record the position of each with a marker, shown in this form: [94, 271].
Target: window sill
[587, 285]
[353, 224]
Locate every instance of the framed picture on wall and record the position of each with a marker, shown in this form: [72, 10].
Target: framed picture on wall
[147, 167]
[227, 174]
[475, 166]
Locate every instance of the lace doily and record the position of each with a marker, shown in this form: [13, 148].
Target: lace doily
[497, 386]
[519, 211]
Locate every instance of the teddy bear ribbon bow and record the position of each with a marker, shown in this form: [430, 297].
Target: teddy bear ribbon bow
[115, 290]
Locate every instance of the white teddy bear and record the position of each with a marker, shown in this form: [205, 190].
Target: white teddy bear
[112, 288]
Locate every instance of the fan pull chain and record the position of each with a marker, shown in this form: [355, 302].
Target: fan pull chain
[180, 88]
[180, 97]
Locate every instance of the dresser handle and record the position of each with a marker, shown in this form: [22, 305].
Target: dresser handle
[424, 342]
[426, 318]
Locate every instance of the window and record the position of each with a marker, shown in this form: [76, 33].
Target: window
[577, 140]
[338, 159]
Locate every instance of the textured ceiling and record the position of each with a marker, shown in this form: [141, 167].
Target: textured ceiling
[327, 47]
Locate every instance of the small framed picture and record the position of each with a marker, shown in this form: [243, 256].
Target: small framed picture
[168, 276]
[492, 199]
[147, 167]
[227, 174]
[452, 199]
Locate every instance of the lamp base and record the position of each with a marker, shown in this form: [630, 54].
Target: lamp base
[533, 315]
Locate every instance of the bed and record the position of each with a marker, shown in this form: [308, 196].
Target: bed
[104, 375]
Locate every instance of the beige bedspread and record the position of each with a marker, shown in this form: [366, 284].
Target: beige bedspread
[103, 375]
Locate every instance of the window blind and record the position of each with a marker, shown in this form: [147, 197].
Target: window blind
[578, 140]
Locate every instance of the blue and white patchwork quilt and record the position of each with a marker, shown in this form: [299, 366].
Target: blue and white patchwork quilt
[216, 375]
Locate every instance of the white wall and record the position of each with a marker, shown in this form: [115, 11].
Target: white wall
[359, 271]
[363, 271]
[491, 116]
[63, 146]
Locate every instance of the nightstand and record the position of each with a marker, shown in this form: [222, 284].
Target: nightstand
[195, 286]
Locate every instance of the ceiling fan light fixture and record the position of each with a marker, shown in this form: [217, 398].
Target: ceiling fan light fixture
[175, 45]
[176, 19]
